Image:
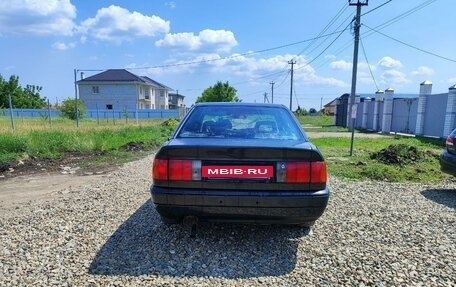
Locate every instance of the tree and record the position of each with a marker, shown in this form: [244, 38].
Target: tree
[312, 111]
[68, 108]
[220, 92]
[25, 98]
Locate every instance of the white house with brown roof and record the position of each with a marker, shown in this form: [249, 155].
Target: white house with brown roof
[118, 89]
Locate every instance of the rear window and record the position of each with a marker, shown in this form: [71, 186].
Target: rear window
[252, 122]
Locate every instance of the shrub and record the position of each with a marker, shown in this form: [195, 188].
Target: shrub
[68, 108]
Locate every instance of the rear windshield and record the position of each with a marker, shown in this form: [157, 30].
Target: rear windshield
[240, 122]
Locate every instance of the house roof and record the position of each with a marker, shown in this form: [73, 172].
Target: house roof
[177, 95]
[155, 83]
[122, 75]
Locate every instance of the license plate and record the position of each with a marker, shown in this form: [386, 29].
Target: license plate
[237, 171]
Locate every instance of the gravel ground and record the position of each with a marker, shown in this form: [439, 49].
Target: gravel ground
[108, 234]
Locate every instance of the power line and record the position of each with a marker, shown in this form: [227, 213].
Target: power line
[411, 46]
[327, 47]
[344, 7]
[232, 56]
[401, 16]
[381, 26]
[368, 65]
[379, 6]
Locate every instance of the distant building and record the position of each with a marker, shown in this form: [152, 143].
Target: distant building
[176, 101]
[118, 89]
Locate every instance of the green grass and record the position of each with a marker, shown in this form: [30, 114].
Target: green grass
[109, 144]
[53, 142]
[361, 165]
[319, 124]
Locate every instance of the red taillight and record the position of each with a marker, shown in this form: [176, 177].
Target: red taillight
[160, 169]
[449, 141]
[180, 169]
[306, 172]
[298, 172]
[176, 169]
[318, 172]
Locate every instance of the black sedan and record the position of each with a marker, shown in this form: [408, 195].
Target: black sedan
[448, 156]
[240, 162]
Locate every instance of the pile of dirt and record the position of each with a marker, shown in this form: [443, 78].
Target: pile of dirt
[400, 154]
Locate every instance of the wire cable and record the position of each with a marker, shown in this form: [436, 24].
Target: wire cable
[334, 19]
[368, 65]
[373, 9]
[411, 46]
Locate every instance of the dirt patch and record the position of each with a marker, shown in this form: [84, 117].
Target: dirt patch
[69, 163]
[400, 154]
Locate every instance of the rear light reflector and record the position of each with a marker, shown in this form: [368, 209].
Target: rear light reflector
[302, 172]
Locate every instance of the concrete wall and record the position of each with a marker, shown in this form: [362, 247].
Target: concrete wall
[434, 119]
[404, 115]
[427, 114]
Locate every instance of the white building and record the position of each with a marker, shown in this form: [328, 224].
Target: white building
[118, 89]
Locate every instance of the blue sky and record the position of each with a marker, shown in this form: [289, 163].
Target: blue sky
[190, 45]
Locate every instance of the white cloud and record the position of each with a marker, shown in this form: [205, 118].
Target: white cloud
[118, 24]
[423, 71]
[394, 78]
[170, 4]
[50, 17]
[63, 46]
[389, 63]
[254, 70]
[215, 40]
[341, 65]
[330, 57]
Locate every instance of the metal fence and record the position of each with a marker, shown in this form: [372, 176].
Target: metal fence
[97, 114]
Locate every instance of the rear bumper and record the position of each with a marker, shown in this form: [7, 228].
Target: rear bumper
[448, 163]
[236, 206]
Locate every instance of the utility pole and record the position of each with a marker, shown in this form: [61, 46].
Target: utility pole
[357, 25]
[76, 97]
[291, 62]
[11, 111]
[272, 91]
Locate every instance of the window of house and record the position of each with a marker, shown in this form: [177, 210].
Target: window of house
[162, 94]
[95, 89]
[109, 107]
[147, 95]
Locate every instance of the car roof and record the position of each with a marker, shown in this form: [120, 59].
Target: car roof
[240, 104]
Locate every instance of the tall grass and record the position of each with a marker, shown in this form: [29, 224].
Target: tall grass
[40, 141]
